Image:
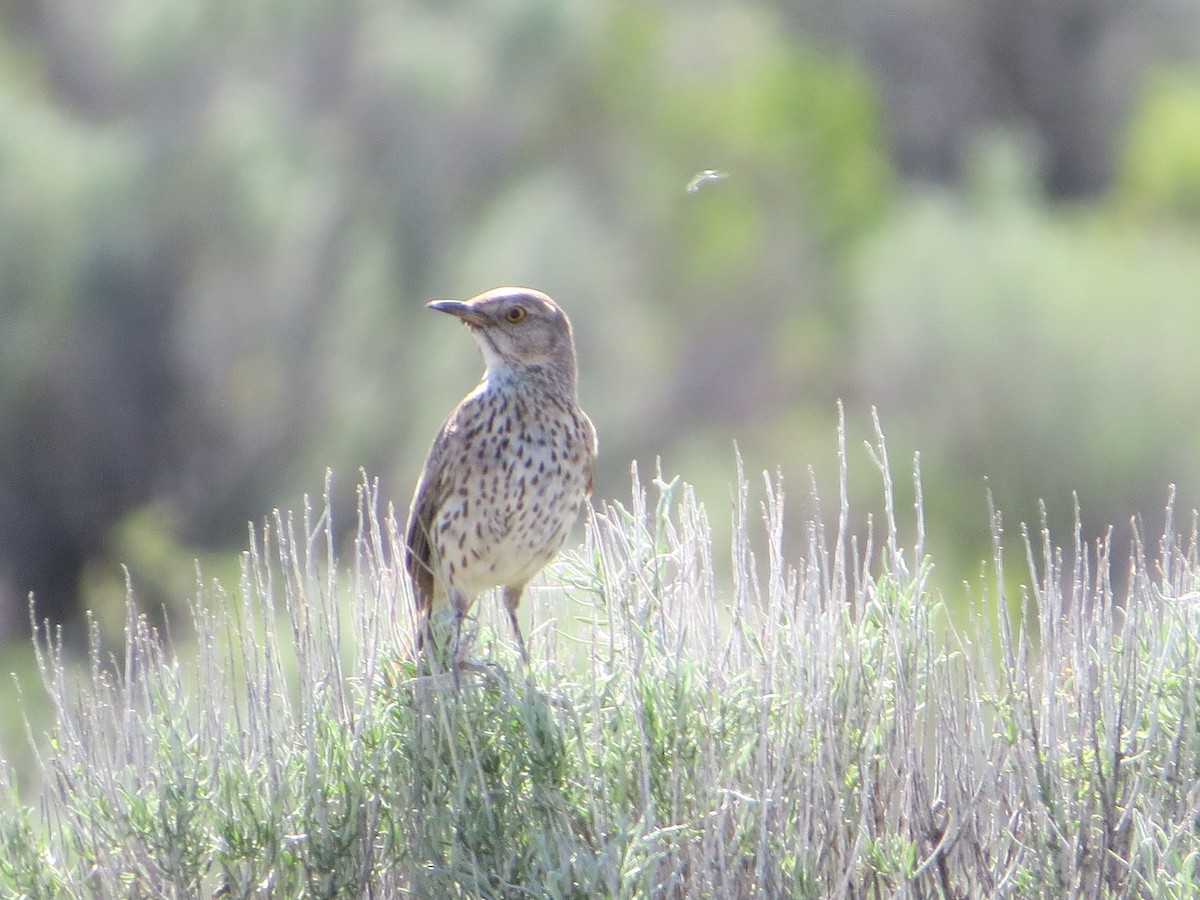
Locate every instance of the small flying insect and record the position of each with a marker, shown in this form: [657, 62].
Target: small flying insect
[703, 178]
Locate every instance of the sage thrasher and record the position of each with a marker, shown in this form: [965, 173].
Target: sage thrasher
[509, 470]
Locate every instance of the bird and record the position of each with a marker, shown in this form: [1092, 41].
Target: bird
[507, 473]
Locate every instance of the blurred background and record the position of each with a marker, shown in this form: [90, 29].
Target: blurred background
[219, 222]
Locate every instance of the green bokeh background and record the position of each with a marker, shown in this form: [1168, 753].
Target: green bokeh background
[219, 222]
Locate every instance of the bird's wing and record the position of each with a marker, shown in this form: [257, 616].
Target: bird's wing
[427, 500]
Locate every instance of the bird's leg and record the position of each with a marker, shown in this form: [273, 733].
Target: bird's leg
[512, 598]
[425, 638]
[428, 652]
[457, 648]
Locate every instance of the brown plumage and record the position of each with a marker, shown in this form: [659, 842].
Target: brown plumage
[509, 470]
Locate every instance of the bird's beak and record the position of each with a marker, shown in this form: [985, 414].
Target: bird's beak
[460, 309]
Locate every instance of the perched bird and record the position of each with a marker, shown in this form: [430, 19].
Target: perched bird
[509, 470]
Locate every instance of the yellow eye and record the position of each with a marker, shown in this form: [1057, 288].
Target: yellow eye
[516, 314]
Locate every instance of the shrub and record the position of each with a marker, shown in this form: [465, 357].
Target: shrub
[811, 730]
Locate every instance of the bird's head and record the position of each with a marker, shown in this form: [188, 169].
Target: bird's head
[517, 328]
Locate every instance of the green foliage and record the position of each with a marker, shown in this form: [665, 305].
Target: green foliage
[797, 130]
[1039, 348]
[279, 185]
[60, 180]
[1161, 165]
[25, 868]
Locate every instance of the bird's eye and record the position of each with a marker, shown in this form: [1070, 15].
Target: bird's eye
[516, 314]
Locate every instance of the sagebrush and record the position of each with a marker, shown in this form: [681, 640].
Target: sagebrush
[810, 730]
